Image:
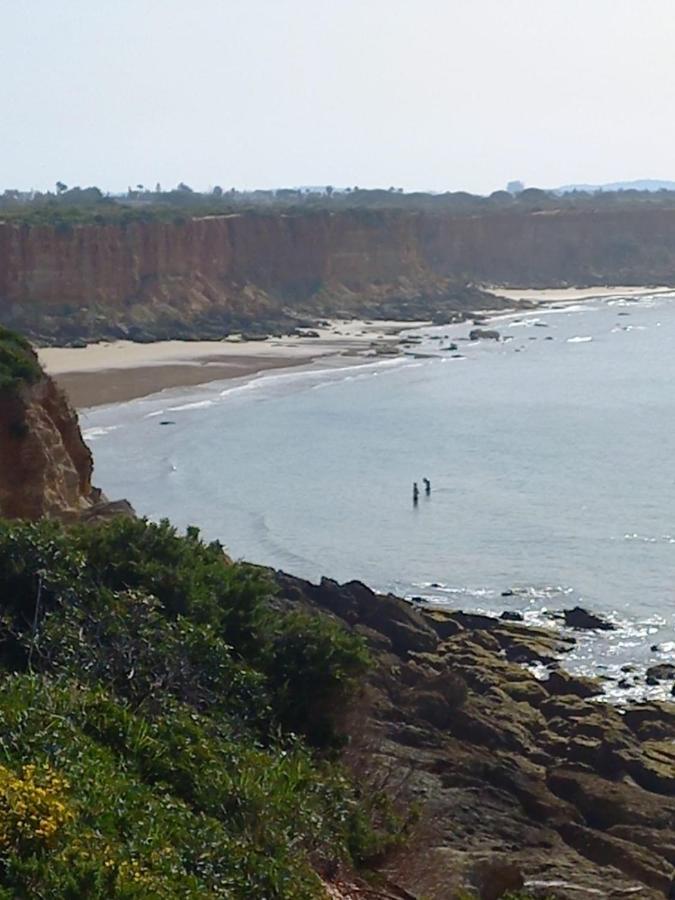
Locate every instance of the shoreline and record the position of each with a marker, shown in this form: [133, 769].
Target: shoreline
[106, 373]
[101, 374]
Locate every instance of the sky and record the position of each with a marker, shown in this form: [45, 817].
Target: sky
[419, 94]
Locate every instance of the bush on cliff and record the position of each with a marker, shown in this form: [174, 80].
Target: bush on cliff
[147, 715]
[17, 361]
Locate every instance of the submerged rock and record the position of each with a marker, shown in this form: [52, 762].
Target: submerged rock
[483, 334]
[661, 672]
[512, 615]
[580, 618]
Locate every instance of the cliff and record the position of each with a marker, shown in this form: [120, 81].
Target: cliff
[45, 466]
[200, 277]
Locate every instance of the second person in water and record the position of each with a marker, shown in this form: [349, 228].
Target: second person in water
[416, 490]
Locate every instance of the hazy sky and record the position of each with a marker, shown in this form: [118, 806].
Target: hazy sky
[438, 94]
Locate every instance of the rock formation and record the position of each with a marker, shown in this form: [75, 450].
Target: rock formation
[45, 466]
[516, 780]
[252, 271]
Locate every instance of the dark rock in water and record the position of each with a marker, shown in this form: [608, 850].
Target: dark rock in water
[582, 619]
[651, 681]
[305, 333]
[507, 593]
[167, 422]
[486, 334]
[548, 337]
[511, 615]
[662, 672]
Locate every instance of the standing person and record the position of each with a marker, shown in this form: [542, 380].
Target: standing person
[416, 493]
[427, 486]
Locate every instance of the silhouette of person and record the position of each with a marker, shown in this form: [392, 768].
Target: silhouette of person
[427, 486]
[416, 493]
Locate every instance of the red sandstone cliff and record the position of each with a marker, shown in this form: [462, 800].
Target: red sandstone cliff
[204, 276]
[45, 466]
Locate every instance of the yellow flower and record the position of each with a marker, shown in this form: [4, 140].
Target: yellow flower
[32, 807]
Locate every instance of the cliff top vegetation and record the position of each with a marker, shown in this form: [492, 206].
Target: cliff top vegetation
[74, 206]
[18, 363]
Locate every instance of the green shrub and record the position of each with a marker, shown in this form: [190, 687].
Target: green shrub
[312, 663]
[186, 575]
[18, 363]
[153, 677]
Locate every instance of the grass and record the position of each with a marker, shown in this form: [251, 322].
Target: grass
[164, 733]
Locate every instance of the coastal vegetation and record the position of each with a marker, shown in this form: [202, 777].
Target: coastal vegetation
[17, 360]
[165, 732]
[66, 207]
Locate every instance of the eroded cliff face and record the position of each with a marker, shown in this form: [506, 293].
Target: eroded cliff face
[45, 466]
[201, 277]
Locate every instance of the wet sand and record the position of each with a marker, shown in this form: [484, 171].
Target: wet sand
[113, 373]
[87, 389]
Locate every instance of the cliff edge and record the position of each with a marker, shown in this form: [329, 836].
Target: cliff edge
[45, 465]
[263, 272]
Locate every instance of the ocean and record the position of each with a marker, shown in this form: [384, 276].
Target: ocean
[551, 456]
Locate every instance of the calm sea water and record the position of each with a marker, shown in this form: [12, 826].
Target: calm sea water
[551, 456]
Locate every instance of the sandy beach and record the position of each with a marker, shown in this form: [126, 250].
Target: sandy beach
[575, 294]
[123, 370]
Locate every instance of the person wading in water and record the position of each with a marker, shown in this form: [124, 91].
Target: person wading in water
[416, 494]
[427, 486]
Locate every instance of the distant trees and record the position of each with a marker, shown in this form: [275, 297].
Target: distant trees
[61, 187]
[217, 191]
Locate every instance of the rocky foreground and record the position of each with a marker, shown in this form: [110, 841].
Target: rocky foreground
[517, 782]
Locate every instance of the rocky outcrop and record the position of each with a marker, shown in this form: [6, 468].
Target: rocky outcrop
[45, 466]
[580, 618]
[516, 780]
[257, 271]
[483, 334]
